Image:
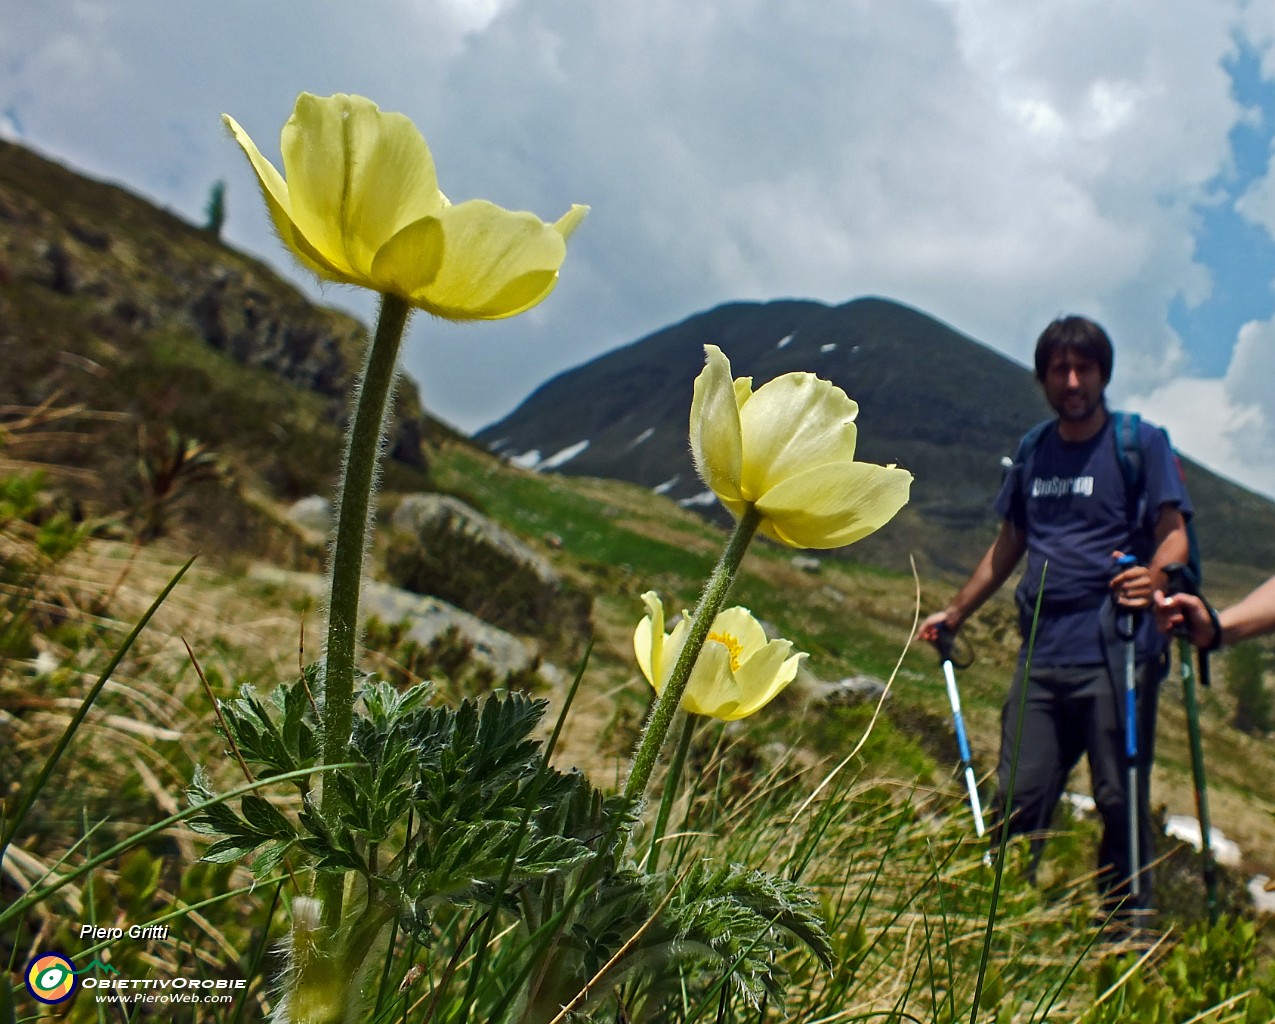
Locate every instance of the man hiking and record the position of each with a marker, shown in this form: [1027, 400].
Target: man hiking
[1070, 504]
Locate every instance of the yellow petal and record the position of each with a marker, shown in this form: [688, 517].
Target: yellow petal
[409, 262]
[495, 263]
[278, 201]
[741, 624]
[764, 676]
[716, 440]
[792, 424]
[711, 688]
[648, 641]
[833, 505]
[356, 176]
[569, 221]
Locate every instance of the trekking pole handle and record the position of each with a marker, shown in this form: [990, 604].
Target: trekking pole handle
[945, 644]
[1180, 579]
[1126, 618]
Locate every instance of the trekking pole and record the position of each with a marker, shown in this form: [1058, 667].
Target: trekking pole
[1182, 581]
[945, 642]
[1126, 630]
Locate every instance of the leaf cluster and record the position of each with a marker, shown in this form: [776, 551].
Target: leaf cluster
[436, 803]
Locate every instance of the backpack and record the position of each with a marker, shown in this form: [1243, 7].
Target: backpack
[1126, 431]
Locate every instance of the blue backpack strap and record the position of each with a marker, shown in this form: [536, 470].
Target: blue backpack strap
[1126, 430]
[1031, 439]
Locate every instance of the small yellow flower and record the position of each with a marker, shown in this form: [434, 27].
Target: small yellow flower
[788, 450]
[737, 673]
[361, 205]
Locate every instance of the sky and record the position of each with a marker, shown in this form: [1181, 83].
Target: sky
[994, 163]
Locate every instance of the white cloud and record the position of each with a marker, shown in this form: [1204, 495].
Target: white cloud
[1228, 422]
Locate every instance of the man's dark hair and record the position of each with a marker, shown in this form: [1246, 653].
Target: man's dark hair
[1075, 334]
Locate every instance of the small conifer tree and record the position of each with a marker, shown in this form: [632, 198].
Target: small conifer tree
[216, 209]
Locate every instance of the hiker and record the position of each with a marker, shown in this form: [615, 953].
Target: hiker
[1209, 629]
[1071, 503]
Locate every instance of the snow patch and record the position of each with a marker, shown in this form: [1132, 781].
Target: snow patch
[644, 436]
[830, 347]
[667, 485]
[1225, 851]
[695, 500]
[564, 456]
[785, 339]
[527, 460]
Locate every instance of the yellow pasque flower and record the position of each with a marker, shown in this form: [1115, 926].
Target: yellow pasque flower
[737, 673]
[788, 450]
[361, 205]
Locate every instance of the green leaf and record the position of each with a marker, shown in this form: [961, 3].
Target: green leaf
[235, 848]
[265, 818]
[8, 1012]
[269, 858]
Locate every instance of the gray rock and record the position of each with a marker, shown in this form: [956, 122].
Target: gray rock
[418, 512]
[313, 513]
[427, 618]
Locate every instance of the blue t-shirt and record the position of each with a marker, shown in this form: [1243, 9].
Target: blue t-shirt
[1069, 500]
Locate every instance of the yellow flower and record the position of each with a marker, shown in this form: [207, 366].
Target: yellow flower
[361, 205]
[788, 449]
[737, 673]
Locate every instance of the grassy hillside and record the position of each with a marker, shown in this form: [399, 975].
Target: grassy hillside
[123, 323]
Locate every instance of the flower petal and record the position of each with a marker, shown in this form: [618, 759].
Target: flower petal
[741, 624]
[648, 640]
[711, 688]
[716, 439]
[409, 262]
[832, 505]
[791, 424]
[764, 676]
[278, 200]
[495, 262]
[356, 176]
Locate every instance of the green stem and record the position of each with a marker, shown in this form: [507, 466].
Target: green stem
[671, 784]
[667, 703]
[362, 458]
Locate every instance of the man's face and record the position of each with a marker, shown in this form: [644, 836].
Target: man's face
[1073, 385]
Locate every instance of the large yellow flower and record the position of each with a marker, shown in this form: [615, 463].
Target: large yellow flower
[738, 671]
[788, 450]
[361, 205]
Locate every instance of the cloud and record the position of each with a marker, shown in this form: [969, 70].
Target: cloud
[993, 162]
[1227, 422]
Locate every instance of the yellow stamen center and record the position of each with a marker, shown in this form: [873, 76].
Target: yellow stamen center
[732, 645]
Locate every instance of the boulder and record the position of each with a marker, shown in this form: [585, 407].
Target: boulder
[442, 547]
[427, 618]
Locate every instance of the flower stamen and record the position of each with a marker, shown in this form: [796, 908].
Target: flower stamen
[732, 645]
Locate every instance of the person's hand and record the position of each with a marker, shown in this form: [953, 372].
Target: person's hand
[1185, 612]
[929, 629]
[1132, 586]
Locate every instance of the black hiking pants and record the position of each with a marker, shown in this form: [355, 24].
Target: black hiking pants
[1069, 712]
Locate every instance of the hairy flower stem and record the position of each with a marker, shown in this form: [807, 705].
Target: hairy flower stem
[667, 703]
[362, 458]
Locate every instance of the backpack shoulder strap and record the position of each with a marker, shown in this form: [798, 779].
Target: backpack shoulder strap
[1126, 432]
[1030, 440]
[1126, 429]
